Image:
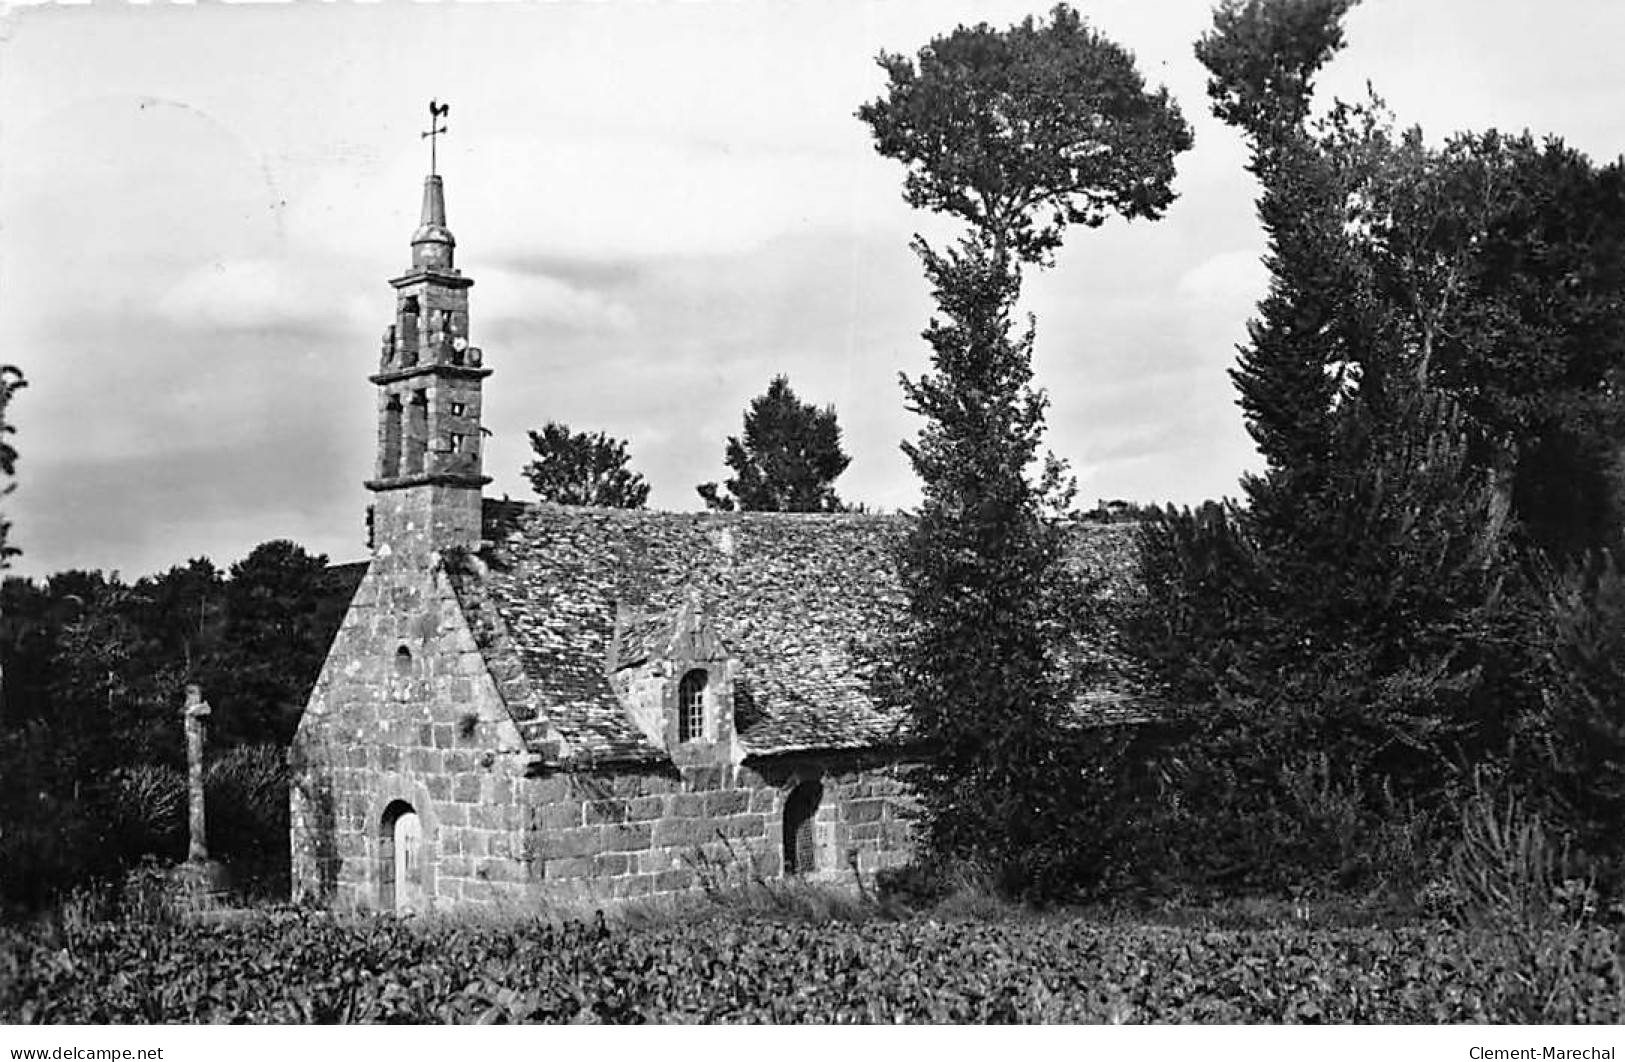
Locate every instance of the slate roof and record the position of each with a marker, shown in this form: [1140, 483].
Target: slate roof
[645, 638]
[802, 602]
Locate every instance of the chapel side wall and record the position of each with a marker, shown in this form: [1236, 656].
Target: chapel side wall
[601, 839]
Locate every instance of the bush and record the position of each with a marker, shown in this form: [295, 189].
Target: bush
[55, 832]
[56, 840]
[1506, 867]
[149, 804]
[246, 809]
[1578, 731]
[1511, 885]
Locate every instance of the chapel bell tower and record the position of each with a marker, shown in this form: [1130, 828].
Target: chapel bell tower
[428, 474]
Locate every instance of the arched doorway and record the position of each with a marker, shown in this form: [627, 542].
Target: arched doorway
[400, 859]
[800, 838]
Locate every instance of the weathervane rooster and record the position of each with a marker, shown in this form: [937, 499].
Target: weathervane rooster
[437, 111]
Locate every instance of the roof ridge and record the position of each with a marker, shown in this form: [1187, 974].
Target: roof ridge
[524, 507]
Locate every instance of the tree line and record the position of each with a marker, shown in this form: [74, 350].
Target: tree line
[1406, 620]
[92, 753]
[1403, 638]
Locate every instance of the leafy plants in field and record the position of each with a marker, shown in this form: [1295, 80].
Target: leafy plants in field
[293, 966]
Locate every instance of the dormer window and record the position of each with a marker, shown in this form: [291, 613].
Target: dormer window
[691, 707]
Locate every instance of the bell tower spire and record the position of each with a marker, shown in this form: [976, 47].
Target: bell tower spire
[428, 474]
[432, 243]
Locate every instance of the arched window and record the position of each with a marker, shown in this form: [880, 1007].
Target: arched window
[691, 707]
[392, 437]
[408, 336]
[403, 662]
[417, 432]
[800, 843]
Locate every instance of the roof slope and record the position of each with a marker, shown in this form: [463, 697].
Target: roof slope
[802, 601]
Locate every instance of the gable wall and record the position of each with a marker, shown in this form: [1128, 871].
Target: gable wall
[437, 737]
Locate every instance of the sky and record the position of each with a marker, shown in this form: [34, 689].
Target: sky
[662, 205]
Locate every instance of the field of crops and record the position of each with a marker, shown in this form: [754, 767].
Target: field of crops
[290, 966]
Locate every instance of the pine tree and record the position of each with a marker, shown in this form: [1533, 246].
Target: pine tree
[787, 460]
[1017, 134]
[1262, 58]
[583, 469]
[1346, 624]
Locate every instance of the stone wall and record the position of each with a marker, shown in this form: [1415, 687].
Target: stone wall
[411, 520]
[494, 838]
[606, 838]
[427, 729]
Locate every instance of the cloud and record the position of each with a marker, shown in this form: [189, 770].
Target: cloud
[507, 298]
[244, 295]
[1228, 279]
[130, 511]
[599, 198]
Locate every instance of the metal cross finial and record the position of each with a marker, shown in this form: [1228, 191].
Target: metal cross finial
[437, 111]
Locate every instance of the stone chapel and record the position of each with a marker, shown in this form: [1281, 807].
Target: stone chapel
[534, 704]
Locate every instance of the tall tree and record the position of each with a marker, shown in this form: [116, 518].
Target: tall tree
[1353, 613]
[1262, 58]
[1492, 269]
[583, 469]
[788, 459]
[1468, 299]
[1499, 264]
[11, 381]
[1530, 325]
[1018, 134]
